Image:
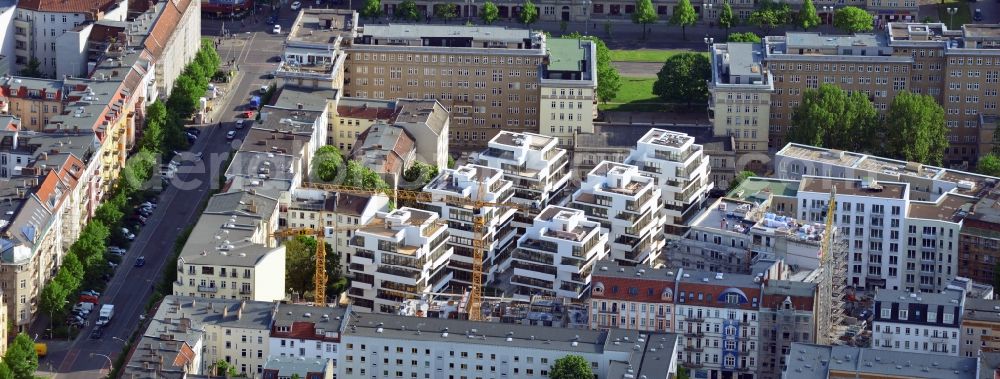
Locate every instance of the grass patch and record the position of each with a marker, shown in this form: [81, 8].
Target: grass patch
[636, 94]
[962, 17]
[648, 55]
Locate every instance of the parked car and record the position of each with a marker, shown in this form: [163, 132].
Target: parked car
[265, 87]
[116, 251]
[97, 333]
[296, 5]
[239, 124]
[193, 130]
[248, 114]
[139, 219]
[88, 299]
[128, 235]
[276, 29]
[231, 135]
[978, 15]
[141, 261]
[90, 293]
[148, 204]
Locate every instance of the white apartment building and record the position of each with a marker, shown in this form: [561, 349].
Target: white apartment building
[627, 204]
[557, 254]
[312, 56]
[231, 253]
[918, 322]
[474, 182]
[38, 25]
[568, 88]
[538, 169]
[902, 219]
[419, 347]
[400, 255]
[739, 103]
[681, 170]
[305, 332]
[613, 306]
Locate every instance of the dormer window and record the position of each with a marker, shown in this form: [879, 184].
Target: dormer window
[599, 288]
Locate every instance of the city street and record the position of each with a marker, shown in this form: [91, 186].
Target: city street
[130, 288]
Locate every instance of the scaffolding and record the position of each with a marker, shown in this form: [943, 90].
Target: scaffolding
[833, 262]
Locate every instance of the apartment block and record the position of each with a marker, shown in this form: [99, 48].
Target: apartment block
[353, 116]
[980, 327]
[557, 254]
[313, 55]
[819, 361]
[956, 67]
[486, 76]
[231, 253]
[496, 236]
[933, 318]
[613, 306]
[278, 367]
[680, 168]
[174, 39]
[539, 170]
[38, 24]
[739, 102]
[627, 204]
[789, 313]
[400, 255]
[32, 100]
[305, 333]
[469, 348]
[188, 335]
[979, 240]
[417, 132]
[568, 79]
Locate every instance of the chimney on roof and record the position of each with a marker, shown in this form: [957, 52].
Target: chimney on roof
[225, 311]
[299, 105]
[239, 311]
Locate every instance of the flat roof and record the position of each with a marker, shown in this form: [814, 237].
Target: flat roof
[853, 187]
[795, 40]
[662, 137]
[986, 31]
[982, 310]
[417, 31]
[745, 59]
[949, 207]
[323, 25]
[808, 361]
[537, 141]
[947, 297]
[312, 99]
[730, 220]
[756, 186]
[566, 54]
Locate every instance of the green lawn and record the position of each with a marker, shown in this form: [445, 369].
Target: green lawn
[648, 55]
[962, 17]
[636, 94]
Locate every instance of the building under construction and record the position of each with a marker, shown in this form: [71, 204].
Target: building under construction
[538, 310]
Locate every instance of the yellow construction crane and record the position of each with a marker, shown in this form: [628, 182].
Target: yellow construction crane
[827, 243]
[319, 276]
[478, 224]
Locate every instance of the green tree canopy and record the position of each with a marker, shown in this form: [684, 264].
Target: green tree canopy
[740, 177]
[743, 37]
[608, 79]
[372, 9]
[571, 367]
[21, 357]
[420, 173]
[915, 129]
[770, 15]
[989, 164]
[829, 117]
[684, 15]
[327, 163]
[489, 13]
[300, 264]
[644, 15]
[684, 79]
[152, 133]
[407, 10]
[73, 268]
[183, 99]
[726, 17]
[853, 20]
[223, 368]
[529, 13]
[446, 11]
[53, 298]
[32, 68]
[807, 18]
[5, 371]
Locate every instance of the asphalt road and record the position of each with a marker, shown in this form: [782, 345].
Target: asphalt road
[130, 288]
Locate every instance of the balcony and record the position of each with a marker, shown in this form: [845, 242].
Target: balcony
[212, 289]
[697, 334]
[694, 319]
[399, 272]
[694, 348]
[245, 291]
[692, 365]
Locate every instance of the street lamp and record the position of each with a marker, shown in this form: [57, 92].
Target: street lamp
[951, 14]
[708, 43]
[110, 365]
[708, 9]
[586, 17]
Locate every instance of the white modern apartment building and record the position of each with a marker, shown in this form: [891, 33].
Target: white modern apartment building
[419, 347]
[305, 332]
[628, 206]
[538, 169]
[681, 170]
[400, 255]
[474, 182]
[918, 322]
[568, 88]
[557, 254]
[231, 253]
[901, 219]
[38, 24]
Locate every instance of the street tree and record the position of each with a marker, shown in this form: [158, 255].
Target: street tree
[327, 163]
[808, 18]
[32, 68]
[726, 16]
[183, 99]
[5, 372]
[109, 213]
[644, 15]
[770, 15]
[529, 13]
[446, 11]
[73, 268]
[53, 298]
[684, 15]
[915, 129]
[407, 10]
[853, 20]
[372, 9]
[300, 263]
[571, 367]
[21, 357]
[683, 79]
[740, 177]
[489, 13]
[156, 121]
[989, 164]
[743, 37]
[830, 117]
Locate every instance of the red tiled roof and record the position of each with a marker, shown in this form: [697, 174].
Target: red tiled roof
[302, 331]
[370, 113]
[165, 26]
[649, 290]
[798, 302]
[46, 189]
[67, 6]
[103, 33]
[711, 293]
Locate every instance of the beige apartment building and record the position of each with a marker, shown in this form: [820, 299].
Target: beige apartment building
[569, 88]
[353, 116]
[739, 98]
[959, 68]
[488, 77]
